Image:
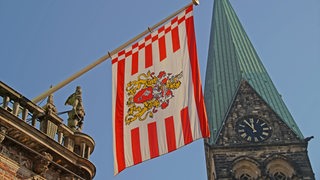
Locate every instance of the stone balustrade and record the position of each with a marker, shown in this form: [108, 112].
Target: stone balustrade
[47, 122]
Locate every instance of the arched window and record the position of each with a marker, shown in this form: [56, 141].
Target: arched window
[246, 169]
[280, 169]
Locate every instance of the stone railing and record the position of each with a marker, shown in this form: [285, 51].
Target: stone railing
[46, 121]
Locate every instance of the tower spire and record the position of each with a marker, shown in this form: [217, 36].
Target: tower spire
[231, 60]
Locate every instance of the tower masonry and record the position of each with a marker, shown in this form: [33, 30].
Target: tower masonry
[253, 135]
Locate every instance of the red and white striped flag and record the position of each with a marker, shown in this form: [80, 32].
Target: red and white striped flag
[158, 104]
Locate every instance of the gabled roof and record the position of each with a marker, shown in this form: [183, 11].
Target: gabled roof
[231, 59]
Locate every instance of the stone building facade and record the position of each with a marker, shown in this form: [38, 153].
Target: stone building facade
[37, 145]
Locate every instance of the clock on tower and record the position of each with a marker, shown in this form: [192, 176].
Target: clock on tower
[253, 129]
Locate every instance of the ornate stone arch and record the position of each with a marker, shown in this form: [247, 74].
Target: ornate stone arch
[245, 168]
[280, 168]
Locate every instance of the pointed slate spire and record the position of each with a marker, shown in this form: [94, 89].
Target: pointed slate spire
[231, 59]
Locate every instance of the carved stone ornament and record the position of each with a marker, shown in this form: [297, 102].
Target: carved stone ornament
[50, 107]
[42, 163]
[3, 132]
[17, 156]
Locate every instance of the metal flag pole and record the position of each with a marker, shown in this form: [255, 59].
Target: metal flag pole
[107, 56]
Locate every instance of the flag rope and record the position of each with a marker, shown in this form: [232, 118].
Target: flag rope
[108, 55]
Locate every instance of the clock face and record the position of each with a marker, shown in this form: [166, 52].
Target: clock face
[253, 129]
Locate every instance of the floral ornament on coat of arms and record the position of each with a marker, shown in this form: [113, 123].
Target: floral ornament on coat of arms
[149, 93]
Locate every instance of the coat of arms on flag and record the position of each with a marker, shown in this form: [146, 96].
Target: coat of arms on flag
[148, 93]
[158, 104]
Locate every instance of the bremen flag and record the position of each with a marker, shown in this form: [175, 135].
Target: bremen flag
[158, 104]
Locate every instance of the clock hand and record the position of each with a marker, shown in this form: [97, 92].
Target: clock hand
[250, 125]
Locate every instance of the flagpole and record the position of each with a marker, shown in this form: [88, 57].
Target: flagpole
[107, 56]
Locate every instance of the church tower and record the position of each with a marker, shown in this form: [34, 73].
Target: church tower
[253, 135]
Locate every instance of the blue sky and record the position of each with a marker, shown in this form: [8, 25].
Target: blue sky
[43, 42]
